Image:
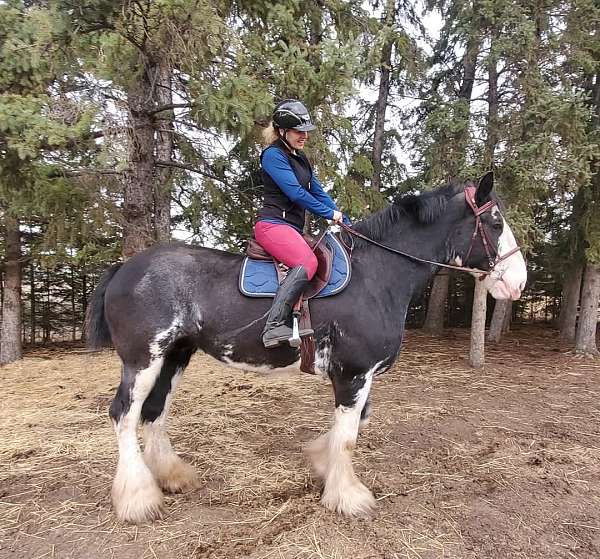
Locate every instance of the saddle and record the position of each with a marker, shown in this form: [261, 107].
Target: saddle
[261, 274]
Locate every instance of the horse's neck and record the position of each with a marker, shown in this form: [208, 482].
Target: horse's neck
[389, 269]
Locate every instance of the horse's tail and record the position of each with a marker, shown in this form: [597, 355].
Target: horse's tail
[96, 327]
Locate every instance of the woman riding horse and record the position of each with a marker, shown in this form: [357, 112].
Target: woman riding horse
[290, 188]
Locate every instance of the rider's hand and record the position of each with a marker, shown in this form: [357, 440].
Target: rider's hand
[337, 216]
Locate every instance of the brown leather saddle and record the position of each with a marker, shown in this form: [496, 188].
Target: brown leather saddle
[323, 252]
[325, 256]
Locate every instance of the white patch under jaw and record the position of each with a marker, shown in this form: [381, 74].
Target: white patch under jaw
[509, 276]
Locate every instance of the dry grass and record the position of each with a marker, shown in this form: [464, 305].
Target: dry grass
[495, 463]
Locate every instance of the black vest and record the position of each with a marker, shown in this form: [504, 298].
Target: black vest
[275, 203]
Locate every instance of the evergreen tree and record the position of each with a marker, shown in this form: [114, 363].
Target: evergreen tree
[38, 122]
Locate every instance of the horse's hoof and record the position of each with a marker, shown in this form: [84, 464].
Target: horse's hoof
[138, 504]
[177, 476]
[353, 500]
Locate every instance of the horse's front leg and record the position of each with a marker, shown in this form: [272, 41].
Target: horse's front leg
[331, 454]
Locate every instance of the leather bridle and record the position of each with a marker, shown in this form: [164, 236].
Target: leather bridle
[479, 231]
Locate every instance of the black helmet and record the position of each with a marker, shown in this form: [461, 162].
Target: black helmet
[292, 114]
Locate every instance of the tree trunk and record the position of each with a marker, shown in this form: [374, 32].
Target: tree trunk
[164, 152]
[571, 291]
[463, 106]
[11, 346]
[138, 228]
[32, 323]
[507, 318]
[477, 352]
[84, 302]
[382, 98]
[73, 306]
[48, 320]
[493, 103]
[434, 322]
[499, 320]
[585, 340]
[436, 306]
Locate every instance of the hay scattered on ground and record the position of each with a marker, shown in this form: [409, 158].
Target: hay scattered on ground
[502, 462]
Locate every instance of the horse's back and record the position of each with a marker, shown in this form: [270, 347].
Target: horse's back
[166, 285]
[170, 266]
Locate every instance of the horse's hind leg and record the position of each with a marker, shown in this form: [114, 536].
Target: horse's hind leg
[135, 494]
[171, 472]
[331, 454]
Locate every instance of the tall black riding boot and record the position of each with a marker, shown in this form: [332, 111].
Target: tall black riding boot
[277, 330]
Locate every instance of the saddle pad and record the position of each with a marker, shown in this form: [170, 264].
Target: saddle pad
[258, 278]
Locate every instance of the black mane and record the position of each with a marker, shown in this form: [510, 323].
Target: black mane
[425, 208]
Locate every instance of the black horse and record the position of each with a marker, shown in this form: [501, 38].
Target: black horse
[163, 304]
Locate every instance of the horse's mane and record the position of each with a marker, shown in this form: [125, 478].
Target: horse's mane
[425, 208]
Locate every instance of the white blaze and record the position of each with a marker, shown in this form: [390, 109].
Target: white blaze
[508, 278]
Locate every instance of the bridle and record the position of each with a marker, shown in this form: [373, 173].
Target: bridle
[478, 232]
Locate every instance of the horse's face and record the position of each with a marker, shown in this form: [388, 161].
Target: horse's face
[493, 240]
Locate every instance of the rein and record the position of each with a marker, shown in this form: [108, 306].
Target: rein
[355, 233]
[479, 231]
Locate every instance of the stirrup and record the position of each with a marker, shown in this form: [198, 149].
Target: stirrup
[285, 334]
[296, 339]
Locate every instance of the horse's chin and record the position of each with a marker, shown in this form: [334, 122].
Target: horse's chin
[500, 289]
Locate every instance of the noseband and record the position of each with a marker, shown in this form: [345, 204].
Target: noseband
[479, 231]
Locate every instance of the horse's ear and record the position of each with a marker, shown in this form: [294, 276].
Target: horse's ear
[484, 188]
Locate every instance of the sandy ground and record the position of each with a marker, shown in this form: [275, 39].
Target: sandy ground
[499, 463]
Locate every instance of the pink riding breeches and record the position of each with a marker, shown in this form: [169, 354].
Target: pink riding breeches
[286, 245]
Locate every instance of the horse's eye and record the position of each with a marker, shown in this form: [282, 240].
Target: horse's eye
[498, 225]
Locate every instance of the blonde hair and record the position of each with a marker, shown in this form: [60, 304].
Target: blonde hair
[269, 134]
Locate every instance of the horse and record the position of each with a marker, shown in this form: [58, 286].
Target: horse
[165, 303]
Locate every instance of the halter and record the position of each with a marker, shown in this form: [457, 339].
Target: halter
[479, 231]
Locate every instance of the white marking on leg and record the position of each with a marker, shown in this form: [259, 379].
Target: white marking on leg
[135, 494]
[162, 339]
[332, 458]
[171, 472]
[323, 360]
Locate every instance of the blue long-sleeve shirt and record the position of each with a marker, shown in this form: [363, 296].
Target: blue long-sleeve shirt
[315, 200]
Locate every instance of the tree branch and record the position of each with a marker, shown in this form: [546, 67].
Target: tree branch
[186, 167]
[171, 106]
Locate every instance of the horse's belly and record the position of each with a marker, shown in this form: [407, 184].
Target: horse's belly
[252, 357]
[265, 368]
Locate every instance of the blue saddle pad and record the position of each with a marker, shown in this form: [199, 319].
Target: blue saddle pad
[258, 278]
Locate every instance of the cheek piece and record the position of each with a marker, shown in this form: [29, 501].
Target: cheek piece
[480, 231]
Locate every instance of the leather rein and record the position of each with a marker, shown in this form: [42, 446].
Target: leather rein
[478, 232]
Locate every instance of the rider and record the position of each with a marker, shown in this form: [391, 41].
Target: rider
[290, 188]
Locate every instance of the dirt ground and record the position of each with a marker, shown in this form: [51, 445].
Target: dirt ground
[498, 463]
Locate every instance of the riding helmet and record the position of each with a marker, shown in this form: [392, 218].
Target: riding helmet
[291, 113]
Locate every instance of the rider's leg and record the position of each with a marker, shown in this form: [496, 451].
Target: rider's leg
[286, 245]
